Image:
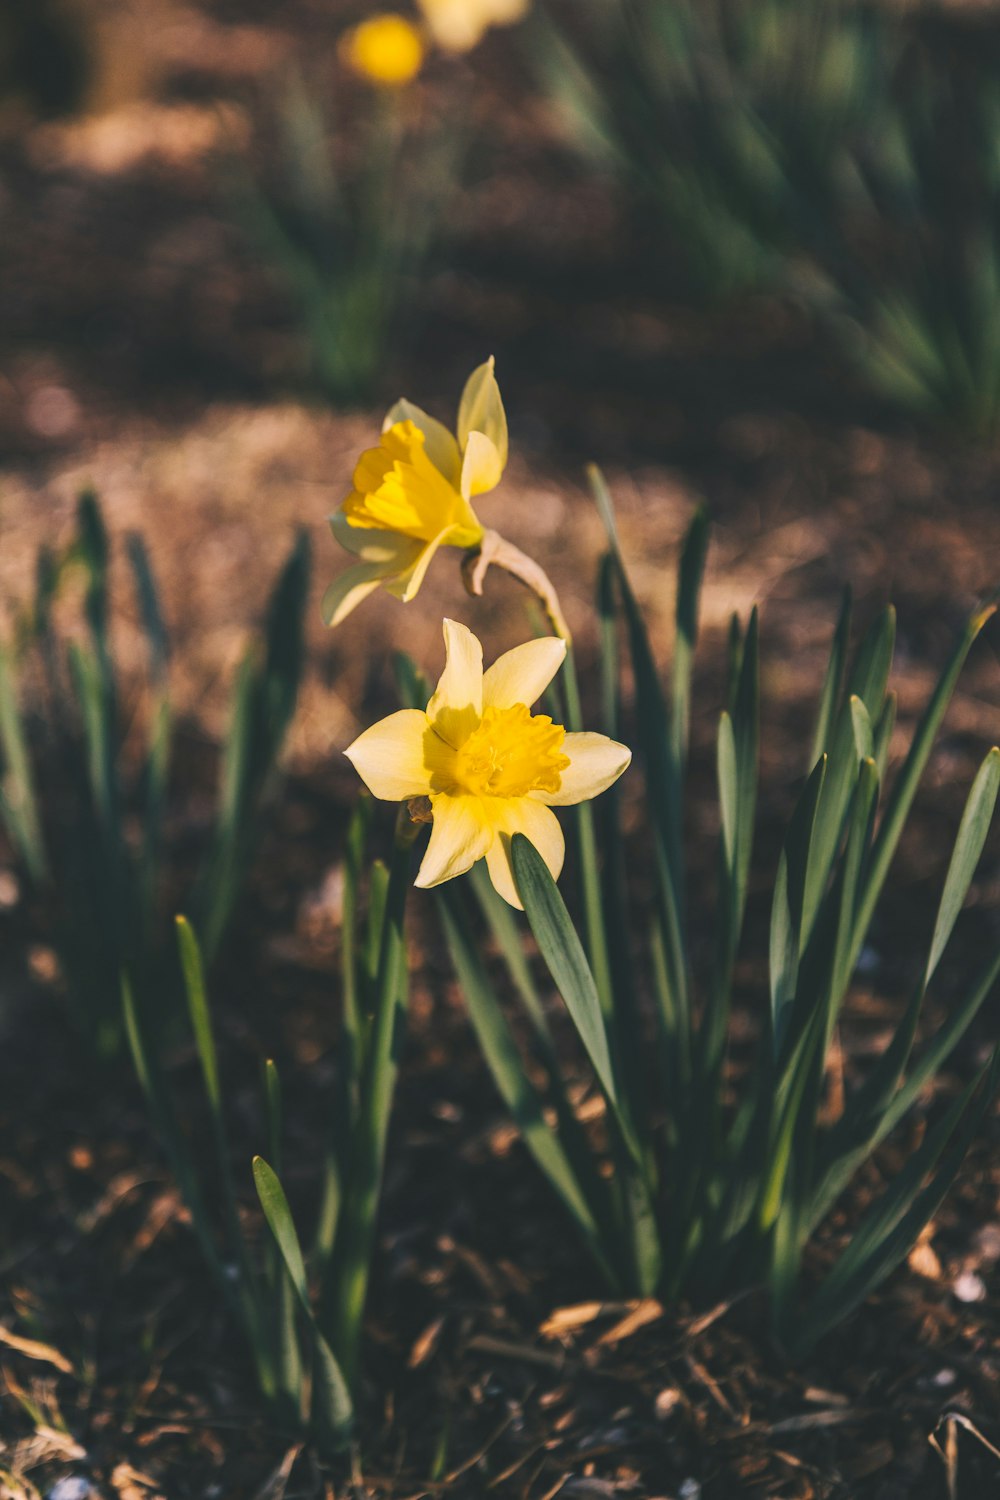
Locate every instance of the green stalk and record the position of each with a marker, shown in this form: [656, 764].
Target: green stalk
[18, 801]
[352, 1040]
[350, 1272]
[597, 938]
[244, 1287]
[279, 1316]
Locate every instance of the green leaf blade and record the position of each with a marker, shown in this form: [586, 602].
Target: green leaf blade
[969, 842]
[563, 953]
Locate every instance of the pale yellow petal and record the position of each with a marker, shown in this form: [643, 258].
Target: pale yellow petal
[454, 24]
[541, 827]
[595, 762]
[458, 25]
[372, 544]
[389, 757]
[461, 834]
[441, 447]
[452, 29]
[348, 590]
[457, 705]
[406, 583]
[522, 675]
[481, 410]
[501, 871]
[481, 466]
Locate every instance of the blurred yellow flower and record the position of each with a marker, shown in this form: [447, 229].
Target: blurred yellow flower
[458, 25]
[411, 494]
[490, 767]
[387, 49]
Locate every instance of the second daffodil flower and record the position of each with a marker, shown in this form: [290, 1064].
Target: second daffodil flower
[411, 494]
[490, 767]
[386, 49]
[458, 25]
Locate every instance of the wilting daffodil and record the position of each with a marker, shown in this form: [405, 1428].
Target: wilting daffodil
[386, 49]
[412, 494]
[458, 25]
[490, 767]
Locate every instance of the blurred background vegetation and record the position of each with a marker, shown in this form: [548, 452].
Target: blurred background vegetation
[840, 157]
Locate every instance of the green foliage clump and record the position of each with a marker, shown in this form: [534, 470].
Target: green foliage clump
[710, 1194]
[349, 233]
[86, 822]
[300, 1311]
[842, 153]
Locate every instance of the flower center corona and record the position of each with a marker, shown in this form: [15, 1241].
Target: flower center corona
[397, 488]
[510, 753]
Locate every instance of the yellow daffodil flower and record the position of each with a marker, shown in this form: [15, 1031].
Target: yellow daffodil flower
[458, 25]
[412, 494]
[387, 49]
[490, 767]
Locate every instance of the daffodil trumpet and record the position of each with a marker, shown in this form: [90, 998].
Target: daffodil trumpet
[487, 766]
[386, 49]
[413, 494]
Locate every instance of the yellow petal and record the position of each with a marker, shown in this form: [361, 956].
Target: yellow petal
[541, 827]
[386, 49]
[441, 447]
[389, 757]
[462, 833]
[595, 762]
[398, 488]
[522, 675]
[481, 410]
[457, 705]
[481, 466]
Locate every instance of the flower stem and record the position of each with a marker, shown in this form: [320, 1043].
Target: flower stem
[495, 550]
[350, 1270]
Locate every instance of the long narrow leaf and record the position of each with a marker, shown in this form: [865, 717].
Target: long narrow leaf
[832, 680]
[505, 934]
[18, 799]
[343, 1304]
[787, 912]
[564, 955]
[332, 1404]
[909, 776]
[201, 1025]
[876, 1110]
[689, 579]
[507, 1067]
[150, 609]
[969, 843]
[662, 773]
[284, 1299]
[598, 946]
[893, 1224]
